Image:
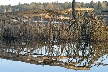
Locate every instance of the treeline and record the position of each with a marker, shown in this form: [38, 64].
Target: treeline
[98, 6]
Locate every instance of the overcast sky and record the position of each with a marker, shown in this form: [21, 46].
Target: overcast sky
[15, 2]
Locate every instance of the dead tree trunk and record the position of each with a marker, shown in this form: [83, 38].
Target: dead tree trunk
[73, 9]
[73, 13]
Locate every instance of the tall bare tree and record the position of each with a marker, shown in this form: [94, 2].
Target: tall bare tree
[73, 9]
[73, 12]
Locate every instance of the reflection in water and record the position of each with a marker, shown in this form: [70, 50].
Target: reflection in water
[78, 56]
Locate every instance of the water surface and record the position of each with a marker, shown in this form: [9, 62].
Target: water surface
[53, 57]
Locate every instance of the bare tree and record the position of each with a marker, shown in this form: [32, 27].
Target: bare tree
[73, 12]
[73, 9]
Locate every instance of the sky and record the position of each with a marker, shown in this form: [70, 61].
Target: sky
[15, 2]
[18, 66]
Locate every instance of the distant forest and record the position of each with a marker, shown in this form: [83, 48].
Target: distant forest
[98, 6]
